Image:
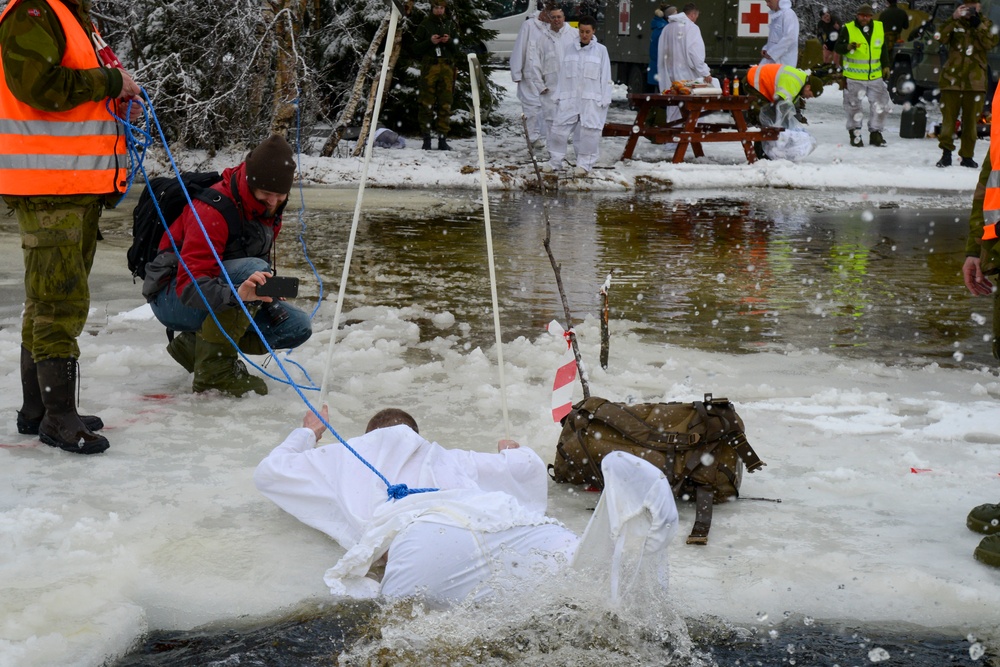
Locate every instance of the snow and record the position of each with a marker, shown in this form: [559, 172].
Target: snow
[166, 530]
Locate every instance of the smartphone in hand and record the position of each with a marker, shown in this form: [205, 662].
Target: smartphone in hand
[279, 287]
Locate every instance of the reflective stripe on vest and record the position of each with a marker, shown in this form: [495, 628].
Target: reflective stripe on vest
[991, 202]
[864, 63]
[775, 81]
[78, 151]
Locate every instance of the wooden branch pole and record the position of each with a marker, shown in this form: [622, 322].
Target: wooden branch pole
[605, 330]
[581, 369]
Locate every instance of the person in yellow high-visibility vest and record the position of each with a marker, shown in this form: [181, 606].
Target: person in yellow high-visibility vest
[866, 64]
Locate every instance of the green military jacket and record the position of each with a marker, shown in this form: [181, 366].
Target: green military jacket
[987, 251]
[968, 47]
[426, 50]
[33, 44]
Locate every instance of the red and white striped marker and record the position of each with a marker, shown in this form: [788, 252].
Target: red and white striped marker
[562, 388]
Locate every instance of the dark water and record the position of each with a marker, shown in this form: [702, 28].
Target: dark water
[332, 637]
[767, 272]
[719, 274]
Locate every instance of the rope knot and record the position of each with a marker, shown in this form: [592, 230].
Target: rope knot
[398, 491]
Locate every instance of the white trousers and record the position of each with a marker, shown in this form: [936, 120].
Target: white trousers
[878, 104]
[444, 564]
[586, 142]
[531, 107]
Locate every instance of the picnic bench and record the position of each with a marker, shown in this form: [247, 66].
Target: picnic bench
[688, 131]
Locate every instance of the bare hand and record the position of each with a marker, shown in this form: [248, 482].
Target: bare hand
[435, 39]
[507, 444]
[445, 38]
[248, 289]
[314, 423]
[130, 89]
[853, 46]
[972, 272]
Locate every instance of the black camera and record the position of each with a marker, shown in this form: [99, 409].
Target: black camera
[276, 313]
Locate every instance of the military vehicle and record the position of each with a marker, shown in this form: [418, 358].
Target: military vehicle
[734, 32]
[918, 60]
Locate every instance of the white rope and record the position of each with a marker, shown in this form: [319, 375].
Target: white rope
[390, 38]
[474, 72]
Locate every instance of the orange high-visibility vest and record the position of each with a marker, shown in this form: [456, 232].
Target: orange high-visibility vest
[78, 151]
[775, 81]
[991, 203]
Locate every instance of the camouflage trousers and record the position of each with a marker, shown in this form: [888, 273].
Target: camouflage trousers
[59, 240]
[437, 82]
[967, 104]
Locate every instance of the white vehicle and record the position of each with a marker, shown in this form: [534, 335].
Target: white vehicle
[510, 15]
[507, 19]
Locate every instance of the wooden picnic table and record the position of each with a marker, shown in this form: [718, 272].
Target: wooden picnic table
[688, 131]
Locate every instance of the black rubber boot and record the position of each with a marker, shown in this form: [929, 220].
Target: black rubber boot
[876, 139]
[945, 160]
[61, 426]
[443, 144]
[856, 140]
[427, 143]
[29, 417]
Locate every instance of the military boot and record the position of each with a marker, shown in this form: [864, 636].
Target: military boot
[181, 350]
[988, 551]
[29, 417]
[427, 143]
[876, 139]
[216, 361]
[945, 160]
[984, 519]
[969, 162]
[856, 139]
[61, 426]
[443, 144]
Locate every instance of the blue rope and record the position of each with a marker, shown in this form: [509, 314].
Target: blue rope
[138, 141]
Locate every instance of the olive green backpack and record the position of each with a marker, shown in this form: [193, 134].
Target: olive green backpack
[700, 447]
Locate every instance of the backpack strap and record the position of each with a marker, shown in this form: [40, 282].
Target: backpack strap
[225, 206]
[703, 499]
[638, 430]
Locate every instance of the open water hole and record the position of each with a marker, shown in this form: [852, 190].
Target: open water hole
[732, 274]
[738, 274]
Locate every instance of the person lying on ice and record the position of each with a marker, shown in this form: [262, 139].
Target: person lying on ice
[483, 530]
[259, 187]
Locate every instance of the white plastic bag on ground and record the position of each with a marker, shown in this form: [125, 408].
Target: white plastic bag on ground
[795, 142]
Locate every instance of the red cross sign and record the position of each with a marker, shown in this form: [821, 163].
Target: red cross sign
[624, 16]
[753, 19]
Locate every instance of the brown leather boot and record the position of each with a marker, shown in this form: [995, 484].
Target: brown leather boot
[32, 409]
[61, 426]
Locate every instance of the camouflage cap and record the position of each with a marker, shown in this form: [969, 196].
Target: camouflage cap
[815, 85]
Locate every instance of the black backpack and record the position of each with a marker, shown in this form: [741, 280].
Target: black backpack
[148, 228]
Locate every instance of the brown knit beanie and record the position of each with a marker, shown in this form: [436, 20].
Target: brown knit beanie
[271, 166]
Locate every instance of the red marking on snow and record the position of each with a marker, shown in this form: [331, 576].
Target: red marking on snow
[157, 397]
[26, 445]
[592, 489]
[919, 470]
